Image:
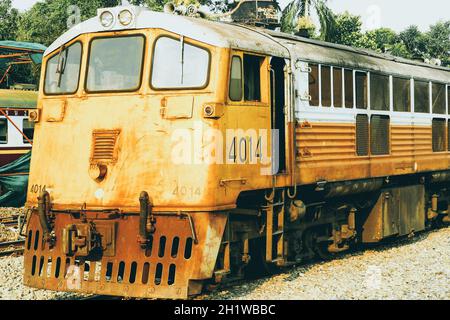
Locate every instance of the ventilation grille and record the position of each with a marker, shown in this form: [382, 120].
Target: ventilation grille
[362, 135]
[379, 135]
[438, 135]
[104, 146]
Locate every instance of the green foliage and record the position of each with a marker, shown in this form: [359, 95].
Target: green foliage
[438, 42]
[415, 42]
[8, 20]
[348, 29]
[411, 43]
[299, 11]
[47, 20]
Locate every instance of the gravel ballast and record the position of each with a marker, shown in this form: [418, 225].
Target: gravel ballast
[417, 268]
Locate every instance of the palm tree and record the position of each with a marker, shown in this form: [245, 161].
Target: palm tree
[297, 18]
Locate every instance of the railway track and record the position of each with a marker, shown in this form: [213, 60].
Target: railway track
[12, 247]
[11, 221]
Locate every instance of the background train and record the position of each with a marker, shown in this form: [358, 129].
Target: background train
[17, 104]
[172, 153]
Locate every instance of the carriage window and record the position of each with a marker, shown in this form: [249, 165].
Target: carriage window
[361, 90]
[236, 79]
[337, 87]
[448, 135]
[421, 97]
[3, 131]
[348, 89]
[115, 64]
[402, 95]
[362, 135]
[439, 98]
[179, 65]
[326, 85]
[438, 135]
[63, 71]
[379, 92]
[314, 85]
[28, 130]
[379, 135]
[252, 77]
[448, 99]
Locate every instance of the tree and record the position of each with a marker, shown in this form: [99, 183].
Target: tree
[47, 20]
[348, 29]
[438, 42]
[8, 20]
[415, 42]
[297, 17]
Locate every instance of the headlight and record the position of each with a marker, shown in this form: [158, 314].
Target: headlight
[125, 17]
[106, 19]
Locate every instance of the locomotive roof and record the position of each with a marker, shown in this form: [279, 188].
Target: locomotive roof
[228, 35]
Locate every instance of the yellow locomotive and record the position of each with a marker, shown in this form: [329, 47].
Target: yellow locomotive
[172, 153]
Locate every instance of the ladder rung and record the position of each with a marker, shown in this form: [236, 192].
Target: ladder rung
[278, 204]
[277, 232]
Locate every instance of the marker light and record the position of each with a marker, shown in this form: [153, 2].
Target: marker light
[125, 17]
[106, 19]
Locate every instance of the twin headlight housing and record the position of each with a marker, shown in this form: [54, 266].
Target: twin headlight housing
[125, 17]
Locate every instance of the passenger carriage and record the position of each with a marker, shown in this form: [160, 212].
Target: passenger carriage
[17, 104]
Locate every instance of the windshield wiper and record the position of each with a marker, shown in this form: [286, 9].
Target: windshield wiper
[62, 61]
[182, 58]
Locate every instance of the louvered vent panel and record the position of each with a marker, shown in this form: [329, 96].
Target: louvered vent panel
[379, 135]
[362, 135]
[438, 135]
[104, 146]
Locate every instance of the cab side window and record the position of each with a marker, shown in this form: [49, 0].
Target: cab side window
[236, 79]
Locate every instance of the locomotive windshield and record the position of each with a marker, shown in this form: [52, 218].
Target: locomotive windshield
[115, 64]
[178, 65]
[63, 71]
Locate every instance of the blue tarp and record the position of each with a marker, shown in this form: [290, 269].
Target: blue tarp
[14, 182]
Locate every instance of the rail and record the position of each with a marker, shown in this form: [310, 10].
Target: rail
[12, 248]
[11, 221]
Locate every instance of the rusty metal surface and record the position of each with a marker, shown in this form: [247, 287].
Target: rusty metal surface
[398, 212]
[171, 267]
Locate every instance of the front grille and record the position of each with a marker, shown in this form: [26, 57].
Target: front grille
[104, 146]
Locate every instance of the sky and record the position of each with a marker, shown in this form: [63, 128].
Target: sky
[394, 14]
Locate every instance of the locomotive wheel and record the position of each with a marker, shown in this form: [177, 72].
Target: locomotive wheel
[321, 250]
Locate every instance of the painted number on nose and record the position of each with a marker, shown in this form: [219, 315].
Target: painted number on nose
[37, 188]
[186, 191]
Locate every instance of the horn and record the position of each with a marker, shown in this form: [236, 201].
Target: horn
[169, 7]
[191, 10]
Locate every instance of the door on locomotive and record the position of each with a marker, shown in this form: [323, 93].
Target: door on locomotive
[257, 100]
[278, 114]
[248, 111]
